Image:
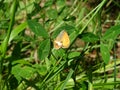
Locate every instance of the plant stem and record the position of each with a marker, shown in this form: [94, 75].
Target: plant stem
[5, 42]
[114, 57]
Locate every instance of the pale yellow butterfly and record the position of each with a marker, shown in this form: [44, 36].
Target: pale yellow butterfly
[62, 40]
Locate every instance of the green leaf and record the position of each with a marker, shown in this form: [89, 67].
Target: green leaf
[41, 69]
[13, 34]
[27, 72]
[89, 37]
[52, 13]
[105, 53]
[112, 33]
[17, 30]
[37, 29]
[44, 49]
[73, 54]
[110, 43]
[20, 71]
[16, 71]
[22, 62]
[58, 53]
[60, 4]
[48, 3]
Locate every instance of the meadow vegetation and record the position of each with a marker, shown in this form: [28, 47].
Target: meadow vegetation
[29, 61]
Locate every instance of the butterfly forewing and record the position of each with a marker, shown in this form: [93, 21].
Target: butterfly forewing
[65, 41]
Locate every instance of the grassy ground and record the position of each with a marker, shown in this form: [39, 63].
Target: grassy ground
[29, 60]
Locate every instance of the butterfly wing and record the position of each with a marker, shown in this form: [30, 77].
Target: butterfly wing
[65, 40]
[62, 40]
[58, 40]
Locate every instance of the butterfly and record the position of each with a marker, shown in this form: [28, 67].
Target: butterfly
[62, 40]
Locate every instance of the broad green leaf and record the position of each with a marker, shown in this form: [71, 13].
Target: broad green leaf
[112, 33]
[59, 53]
[89, 37]
[27, 72]
[73, 54]
[16, 71]
[22, 62]
[17, 30]
[37, 28]
[110, 43]
[105, 53]
[20, 71]
[52, 13]
[44, 49]
[41, 69]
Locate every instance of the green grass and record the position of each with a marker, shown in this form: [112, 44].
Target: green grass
[28, 59]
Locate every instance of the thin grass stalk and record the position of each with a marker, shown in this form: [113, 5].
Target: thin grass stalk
[114, 57]
[5, 42]
[45, 79]
[94, 14]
